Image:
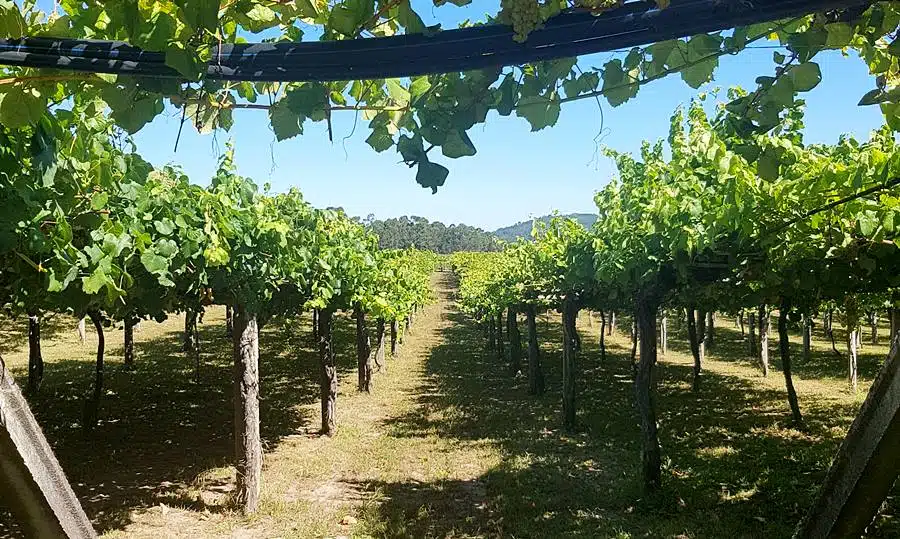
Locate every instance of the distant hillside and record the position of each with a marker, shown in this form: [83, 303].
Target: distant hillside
[523, 229]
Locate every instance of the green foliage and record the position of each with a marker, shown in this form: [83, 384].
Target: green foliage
[719, 218]
[93, 227]
[541, 273]
[417, 232]
[437, 109]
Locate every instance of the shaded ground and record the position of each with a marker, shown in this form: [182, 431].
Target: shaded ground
[449, 444]
[733, 467]
[161, 438]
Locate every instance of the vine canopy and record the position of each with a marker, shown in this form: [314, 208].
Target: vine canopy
[421, 115]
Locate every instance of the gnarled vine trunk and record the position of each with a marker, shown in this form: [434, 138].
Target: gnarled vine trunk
[602, 336]
[634, 342]
[645, 392]
[894, 315]
[569, 313]
[664, 334]
[501, 354]
[492, 334]
[741, 323]
[535, 371]
[315, 324]
[379, 345]
[328, 381]
[192, 341]
[873, 326]
[764, 339]
[229, 321]
[515, 341]
[35, 358]
[751, 333]
[694, 339]
[806, 322]
[851, 311]
[92, 408]
[702, 334]
[853, 358]
[128, 336]
[186, 337]
[785, 347]
[393, 338]
[80, 329]
[363, 350]
[247, 443]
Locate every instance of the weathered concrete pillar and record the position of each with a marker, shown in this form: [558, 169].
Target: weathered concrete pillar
[866, 465]
[32, 484]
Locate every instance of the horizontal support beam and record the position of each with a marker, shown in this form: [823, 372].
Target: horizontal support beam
[491, 46]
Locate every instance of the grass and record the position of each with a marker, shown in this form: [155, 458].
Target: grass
[449, 444]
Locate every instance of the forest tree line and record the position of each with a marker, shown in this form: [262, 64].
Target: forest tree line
[404, 232]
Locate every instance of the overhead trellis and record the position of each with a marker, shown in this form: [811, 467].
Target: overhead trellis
[566, 35]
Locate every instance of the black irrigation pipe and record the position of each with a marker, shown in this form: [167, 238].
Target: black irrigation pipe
[569, 34]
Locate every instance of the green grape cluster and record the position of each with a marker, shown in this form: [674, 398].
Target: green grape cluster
[599, 6]
[523, 15]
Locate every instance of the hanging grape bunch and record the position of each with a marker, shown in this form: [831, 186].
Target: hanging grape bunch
[599, 6]
[523, 15]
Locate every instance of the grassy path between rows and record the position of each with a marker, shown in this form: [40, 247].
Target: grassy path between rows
[449, 444]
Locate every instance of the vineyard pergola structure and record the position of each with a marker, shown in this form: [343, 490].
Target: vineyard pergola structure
[420, 87]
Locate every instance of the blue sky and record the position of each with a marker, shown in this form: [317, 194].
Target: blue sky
[516, 174]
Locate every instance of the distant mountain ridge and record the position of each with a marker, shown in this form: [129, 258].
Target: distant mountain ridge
[523, 229]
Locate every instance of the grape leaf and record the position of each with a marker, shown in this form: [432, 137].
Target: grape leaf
[409, 19]
[184, 61]
[349, 16]
[411, 148]
[93, 283]
[201, 14]
[134, 116]
[21, 107]
[839, 35]
[431, 175]
[380, 140]
[457, 144]
[539, 111]
[418, 87]
[309, 101]
[260, 18]
[99, 200]
[285, 122]
[164, 226]
[398, 93]
[805, 76]
[619, 85]
[12, 25]
[153, 262]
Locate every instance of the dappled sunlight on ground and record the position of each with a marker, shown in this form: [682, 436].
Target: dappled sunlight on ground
[449, 444]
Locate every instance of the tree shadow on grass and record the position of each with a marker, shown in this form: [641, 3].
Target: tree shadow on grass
[159, 433]
[731, 345]
[14, 331]
[733, 467]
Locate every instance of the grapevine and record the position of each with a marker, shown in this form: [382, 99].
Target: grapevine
[523, 15]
